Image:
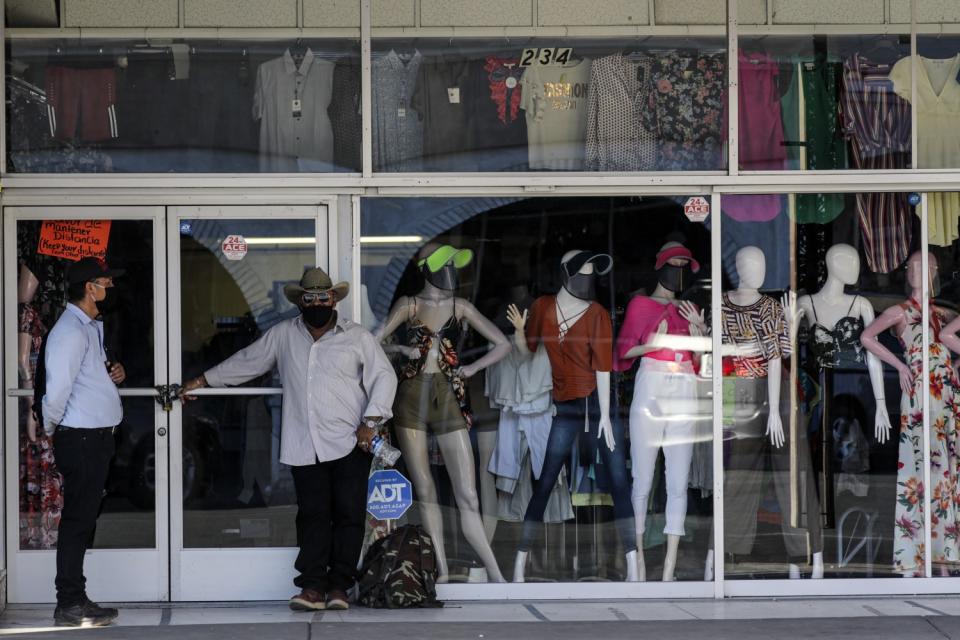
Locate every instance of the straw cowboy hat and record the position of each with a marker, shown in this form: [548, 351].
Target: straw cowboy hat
[314, 281]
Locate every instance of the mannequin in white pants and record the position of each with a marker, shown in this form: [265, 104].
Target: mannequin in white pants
[663, 411]
[435, 308]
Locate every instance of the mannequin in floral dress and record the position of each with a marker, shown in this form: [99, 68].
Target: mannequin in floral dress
[906, 320]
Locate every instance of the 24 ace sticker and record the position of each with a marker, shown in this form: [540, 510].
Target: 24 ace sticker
[234, 247]
[696, 208]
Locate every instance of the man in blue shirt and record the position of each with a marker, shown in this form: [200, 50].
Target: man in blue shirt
[81, 409]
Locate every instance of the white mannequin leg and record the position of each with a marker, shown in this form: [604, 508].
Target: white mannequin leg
[632, 568]
[413, 446]
[670, 561]
[641, 562]
[795, 572]
[486, 441]
[817, 572]
[458, 455]
[519, 566]
[708, 567]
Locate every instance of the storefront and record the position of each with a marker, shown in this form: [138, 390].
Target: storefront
[774, 211]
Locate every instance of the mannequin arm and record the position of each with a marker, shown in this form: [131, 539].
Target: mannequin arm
[948, 335]
[882, 424]
[603, 394]
[519, 322]
[399, 314]
[892, 317]
[486, 328]
[653, 343]
[774, 423]
[24, 346]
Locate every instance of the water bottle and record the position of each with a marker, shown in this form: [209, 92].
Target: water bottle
[383, 452]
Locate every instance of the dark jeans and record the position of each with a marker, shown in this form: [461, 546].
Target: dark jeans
[567, 424]
[83, 458]
[331, 508]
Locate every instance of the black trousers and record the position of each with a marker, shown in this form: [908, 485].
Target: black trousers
[331, 508]
[83, 458]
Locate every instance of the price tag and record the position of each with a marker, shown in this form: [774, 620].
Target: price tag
[297, 108]
[453, 95]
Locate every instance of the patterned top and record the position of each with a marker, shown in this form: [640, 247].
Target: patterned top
[617, 135]
[687, 108]
[839, 346]
[397, 128]
[344, 112]
[759, 331]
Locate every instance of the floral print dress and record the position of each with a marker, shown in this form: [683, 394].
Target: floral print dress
[944, 388]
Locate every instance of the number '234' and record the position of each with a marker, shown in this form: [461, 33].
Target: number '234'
[545, 57]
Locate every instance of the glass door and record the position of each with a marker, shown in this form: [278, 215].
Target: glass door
[233, 505]
[129, 557]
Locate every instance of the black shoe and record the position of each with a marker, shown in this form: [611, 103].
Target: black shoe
[96, 611]
[78, 616]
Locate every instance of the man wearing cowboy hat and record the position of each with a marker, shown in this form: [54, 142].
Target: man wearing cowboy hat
[337, 386]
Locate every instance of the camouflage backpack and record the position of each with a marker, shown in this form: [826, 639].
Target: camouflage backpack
[400, 570]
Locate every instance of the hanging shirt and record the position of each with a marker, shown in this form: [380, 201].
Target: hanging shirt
[617, 135]
[759, 331]
[877, 122]
[761, 136]
[586, 348]
[687, 108]
[345, 116]
[291, 104]
[938, 136]
[397, 126]
[644, 315]
[498, 128]
[442, 100]
[555, 101]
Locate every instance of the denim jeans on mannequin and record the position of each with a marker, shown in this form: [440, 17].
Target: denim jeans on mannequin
[567, 425]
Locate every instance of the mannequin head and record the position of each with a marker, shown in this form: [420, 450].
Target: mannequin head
[915, 272]
[751, 267]
[843, 263]
[440, 263]
[675, 267]
[579, 271]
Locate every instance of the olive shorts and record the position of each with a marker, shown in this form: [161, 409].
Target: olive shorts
[426, 401]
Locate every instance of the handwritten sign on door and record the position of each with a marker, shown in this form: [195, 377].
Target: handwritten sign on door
[74, 239]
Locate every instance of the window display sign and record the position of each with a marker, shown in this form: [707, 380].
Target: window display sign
[696, 208]
[234, 247]
[74, 239]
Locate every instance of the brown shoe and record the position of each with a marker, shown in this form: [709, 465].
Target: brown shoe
[337, 600]
[308, 600]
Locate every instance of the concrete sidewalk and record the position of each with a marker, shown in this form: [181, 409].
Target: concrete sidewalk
[850, 619]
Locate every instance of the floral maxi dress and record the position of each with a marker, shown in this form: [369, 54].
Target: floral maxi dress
[944, 388]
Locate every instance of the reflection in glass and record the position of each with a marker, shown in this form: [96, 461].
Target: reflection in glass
[532, 463]
[185, 106]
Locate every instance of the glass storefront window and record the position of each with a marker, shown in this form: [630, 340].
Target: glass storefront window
[815, 488]
[658, 104]
[552, 294]
[183, 106]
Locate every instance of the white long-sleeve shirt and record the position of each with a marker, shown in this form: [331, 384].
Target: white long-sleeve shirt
[329, 385]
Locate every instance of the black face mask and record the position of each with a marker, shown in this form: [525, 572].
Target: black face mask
[675, 278]
[316, 317]
[109, 302]
[581, 285]
[447, 278]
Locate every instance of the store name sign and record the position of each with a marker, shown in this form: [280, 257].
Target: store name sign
[389, 494]
[74, 239]
[234, 247]
[696, 208]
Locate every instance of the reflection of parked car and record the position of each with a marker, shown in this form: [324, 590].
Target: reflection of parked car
[134, 472]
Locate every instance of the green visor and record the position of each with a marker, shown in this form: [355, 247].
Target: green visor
[445, 255]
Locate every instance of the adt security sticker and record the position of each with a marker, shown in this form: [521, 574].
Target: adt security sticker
[389, 494]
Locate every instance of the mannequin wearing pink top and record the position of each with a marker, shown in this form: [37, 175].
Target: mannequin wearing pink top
[658, 330]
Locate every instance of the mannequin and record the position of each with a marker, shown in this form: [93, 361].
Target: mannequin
[27, 341]
[830, 306]
[433, 382]
[906, 320]
[577, 334]
[757, 333]
[665, 392]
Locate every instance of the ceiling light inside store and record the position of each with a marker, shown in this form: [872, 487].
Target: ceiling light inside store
[307, 240]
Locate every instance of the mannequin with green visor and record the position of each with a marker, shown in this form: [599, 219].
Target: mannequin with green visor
[432, 394]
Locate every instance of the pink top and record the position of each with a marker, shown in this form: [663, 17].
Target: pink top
[761, 136]
[643, 317]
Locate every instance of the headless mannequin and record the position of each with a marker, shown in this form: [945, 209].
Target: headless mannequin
[570, 307]
[751, 271]
[654, 343]
[433, 307]
[832, 305]
[895, 318]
